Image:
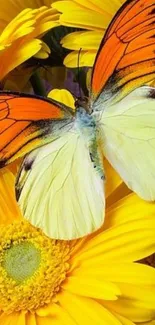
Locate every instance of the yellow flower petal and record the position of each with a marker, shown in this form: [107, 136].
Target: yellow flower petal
[45, 20]
[129, 309]
[125, 242]
[58, 315]
[88, 286]
[47, 310]
[45, 321]
[20, 26]
[11, 211]
[143, 296]
[129, 208]
[86, 311]
[30, 319]
[79, 16]
[20, 51]
[89, 20]
[62, 6]
[11, 9]
[44, 51]
[63, 96]
[128, 273]
[113, 180]
[76, 40]
[98, 5]
[86, 58]
[13, 319]
[123, 320]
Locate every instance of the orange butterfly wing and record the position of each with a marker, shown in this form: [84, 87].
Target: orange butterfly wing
[126, 57]
[25, 123]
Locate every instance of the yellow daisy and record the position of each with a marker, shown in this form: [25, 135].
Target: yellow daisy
[92, 15]
[94, 280]
[19, 35]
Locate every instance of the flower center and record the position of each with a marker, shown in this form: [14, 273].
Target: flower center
[21, 261]
[32, 267]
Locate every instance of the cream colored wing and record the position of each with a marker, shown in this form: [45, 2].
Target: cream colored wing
[127, 130]
[59, 189]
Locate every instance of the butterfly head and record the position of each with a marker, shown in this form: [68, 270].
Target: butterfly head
[84, 103]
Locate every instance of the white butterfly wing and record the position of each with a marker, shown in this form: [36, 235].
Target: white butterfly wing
[127, 130]
[62, 192]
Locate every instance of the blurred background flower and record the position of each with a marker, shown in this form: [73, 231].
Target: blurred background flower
[19, 38]
[47, 17]
[93, 17]
[10, 9]
[35, 59]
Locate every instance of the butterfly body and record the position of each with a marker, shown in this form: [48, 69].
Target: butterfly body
[88, 125]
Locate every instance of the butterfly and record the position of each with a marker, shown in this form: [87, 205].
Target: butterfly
[60, 185]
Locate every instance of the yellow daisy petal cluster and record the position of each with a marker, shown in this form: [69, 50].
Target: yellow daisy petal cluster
[94, 16]
[11, 9]
[19, 38]
[92, 280]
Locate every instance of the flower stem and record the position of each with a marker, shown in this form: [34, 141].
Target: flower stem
[38, 85]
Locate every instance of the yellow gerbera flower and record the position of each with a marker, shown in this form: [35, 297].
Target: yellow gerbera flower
[92, 280]
[94, 16]
[19, 36]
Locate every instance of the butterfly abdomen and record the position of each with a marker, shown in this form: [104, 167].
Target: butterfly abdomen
[96, 157]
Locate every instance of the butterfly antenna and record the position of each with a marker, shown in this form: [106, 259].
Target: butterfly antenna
[78, 76]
